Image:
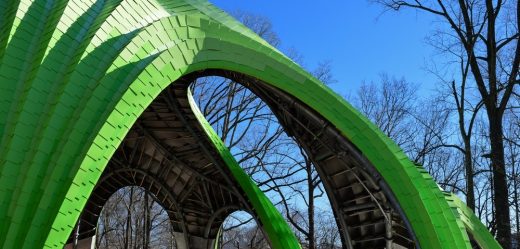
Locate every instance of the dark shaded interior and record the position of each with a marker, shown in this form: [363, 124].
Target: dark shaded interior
[166, 153]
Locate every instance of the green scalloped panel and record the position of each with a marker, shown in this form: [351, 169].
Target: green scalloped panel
[473, 224]
[75, 75]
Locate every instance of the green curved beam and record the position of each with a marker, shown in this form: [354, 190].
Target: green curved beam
[77, 74]
[274, 225]
[473, 225]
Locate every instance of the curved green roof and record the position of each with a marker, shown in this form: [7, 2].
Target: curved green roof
[77, 74]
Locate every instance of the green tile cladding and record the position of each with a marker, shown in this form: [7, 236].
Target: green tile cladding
[76, 74]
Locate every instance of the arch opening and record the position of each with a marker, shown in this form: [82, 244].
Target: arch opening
[274, 161]
[240, 230]
[133, 217]
[165, 151]
[366, 211]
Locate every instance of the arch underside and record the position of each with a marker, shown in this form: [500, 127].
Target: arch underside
[166, 152]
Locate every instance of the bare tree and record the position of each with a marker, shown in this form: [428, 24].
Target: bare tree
[488, 33]
[512, 151]
[239, 231]
[390, 104]
[259, 24]
[131, 218]
[419, 127]
[327, 236]
[463, 107]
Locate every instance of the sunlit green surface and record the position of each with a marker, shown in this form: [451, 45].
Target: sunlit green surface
[75, 76]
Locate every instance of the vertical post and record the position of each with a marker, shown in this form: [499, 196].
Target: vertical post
[388, 227]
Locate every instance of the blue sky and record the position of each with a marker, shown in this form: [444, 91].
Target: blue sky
[359, 39]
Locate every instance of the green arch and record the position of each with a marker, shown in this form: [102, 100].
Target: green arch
[77, 74]
[473, 225]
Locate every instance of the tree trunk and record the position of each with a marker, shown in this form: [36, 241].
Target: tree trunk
[500, 201]
[146, 222]
[515, 198]
[310, 184]
[468, 165]
[128, 234]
